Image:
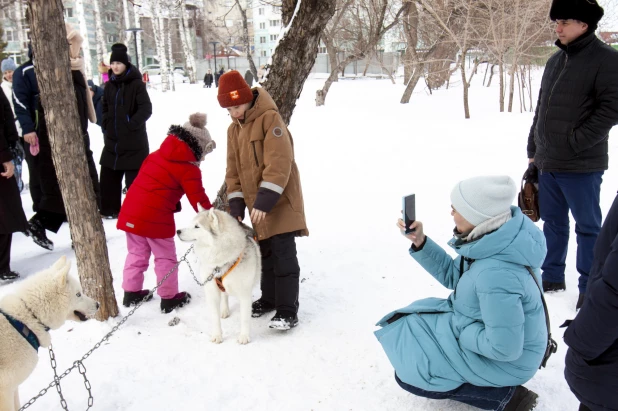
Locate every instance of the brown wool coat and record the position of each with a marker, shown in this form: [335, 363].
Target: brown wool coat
[260, 149]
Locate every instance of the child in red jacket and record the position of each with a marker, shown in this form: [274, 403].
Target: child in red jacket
[147, 214]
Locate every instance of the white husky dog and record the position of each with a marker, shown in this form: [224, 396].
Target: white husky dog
[43, 302]
[229, 256]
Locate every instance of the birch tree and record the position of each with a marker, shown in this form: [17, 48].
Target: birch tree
[56, 90]
[83, 29]
[99, 34]
[187, 43]
[127, 23]
[19, 16]
[245, 39]
[158, 28]
[170, 52]
[136, 16]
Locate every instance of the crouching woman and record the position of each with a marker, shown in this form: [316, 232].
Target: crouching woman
[489, 336]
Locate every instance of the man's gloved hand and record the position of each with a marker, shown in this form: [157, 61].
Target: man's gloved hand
[532, 174]
[237, 208]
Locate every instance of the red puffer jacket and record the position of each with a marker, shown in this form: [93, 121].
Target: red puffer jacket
[164, 177]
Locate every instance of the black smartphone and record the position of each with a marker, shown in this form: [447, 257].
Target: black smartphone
[409, 212]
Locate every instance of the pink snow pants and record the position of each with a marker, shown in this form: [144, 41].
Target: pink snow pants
[139, 249]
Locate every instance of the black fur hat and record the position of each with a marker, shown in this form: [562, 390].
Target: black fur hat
[586, 11]
[119, 53]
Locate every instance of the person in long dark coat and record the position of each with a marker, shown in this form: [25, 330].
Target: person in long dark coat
[208, 79]
[591, 364]
[126, 108]
[12, 217]
[249, 77]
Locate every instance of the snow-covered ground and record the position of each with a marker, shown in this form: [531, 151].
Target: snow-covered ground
[357, 156]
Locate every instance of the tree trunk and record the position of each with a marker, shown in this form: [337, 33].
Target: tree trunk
[501, 72]
[83, 29]
[416, 76]
[99, 35]
[512, 71]
[187, 43]
[466, 86]
[530, 88]
[320, 95]
[127, 23]
[295, 55]
[247, 43]
[491, 75]
[56, 90]
[139, 55]
[158, 27]
[170, 53]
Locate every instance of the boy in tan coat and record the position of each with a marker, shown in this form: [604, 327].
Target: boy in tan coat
[262, 175]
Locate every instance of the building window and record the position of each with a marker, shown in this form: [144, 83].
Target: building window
[262, 26]
[111, 38]
[274, 37]
[68, 13]
[322, 49]
[110, 17]
[275, 23]
[261, 11]
[263, 39]
[9, 35]
[263, 53]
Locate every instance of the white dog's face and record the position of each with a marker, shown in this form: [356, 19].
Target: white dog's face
[81, 307]
[204, 228]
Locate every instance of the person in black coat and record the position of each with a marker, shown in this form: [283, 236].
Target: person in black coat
[97, 99]
[577, 107]
[249, 77]
[592, 359]
[12, 217]
[126, 107]
[208, 79]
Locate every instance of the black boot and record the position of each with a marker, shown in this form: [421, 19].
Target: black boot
[550, 287]
[134, 297]
[580, 301]
[37, 232]
[261, 307]
[283, 320]
[523, 400]
[8, 275]
[170, 304]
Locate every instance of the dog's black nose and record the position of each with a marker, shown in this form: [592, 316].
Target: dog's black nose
[98, 305]
[178, 232]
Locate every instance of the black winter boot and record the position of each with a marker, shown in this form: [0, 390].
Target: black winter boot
[523, 400]
[8, 275]
[283, 320]
[170, 304]
[549, 287]
[134, 297]
[261, 307]
[37, 232]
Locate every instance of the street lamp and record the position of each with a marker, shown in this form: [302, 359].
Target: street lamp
[214, 49]
[135, 30]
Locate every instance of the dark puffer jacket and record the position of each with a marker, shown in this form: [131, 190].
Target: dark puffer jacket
[577, 107]
[126, 107]
[592, 360]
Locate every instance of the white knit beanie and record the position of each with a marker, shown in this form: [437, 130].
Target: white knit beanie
[480, 198]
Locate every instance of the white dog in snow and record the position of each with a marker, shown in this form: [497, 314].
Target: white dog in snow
[231, 258]
[42, 302]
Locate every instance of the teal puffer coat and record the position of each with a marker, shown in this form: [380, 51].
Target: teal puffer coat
[491, 330]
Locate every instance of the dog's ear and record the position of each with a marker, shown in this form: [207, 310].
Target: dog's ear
[63, 272]
[57, 266]
[213, 217]
[200, 208]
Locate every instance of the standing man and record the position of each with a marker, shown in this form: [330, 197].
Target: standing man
[208, 79]
[249, 77]
[577, 107]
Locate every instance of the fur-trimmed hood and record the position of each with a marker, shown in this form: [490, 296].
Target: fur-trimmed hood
[191, 143]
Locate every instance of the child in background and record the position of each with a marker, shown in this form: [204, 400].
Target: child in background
[262, 174]
[147, 214]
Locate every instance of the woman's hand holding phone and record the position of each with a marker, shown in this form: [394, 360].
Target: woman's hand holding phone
[417, 236]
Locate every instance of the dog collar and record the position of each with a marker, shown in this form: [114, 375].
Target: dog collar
[219, 280]
[23, 330]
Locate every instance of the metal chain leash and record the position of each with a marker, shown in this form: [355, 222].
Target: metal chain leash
[79, 363]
